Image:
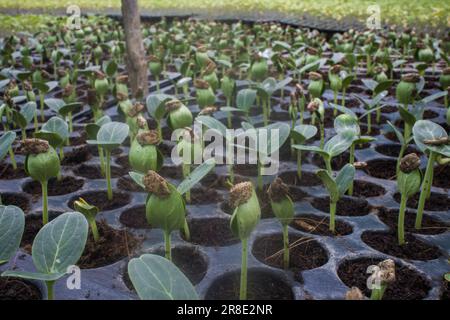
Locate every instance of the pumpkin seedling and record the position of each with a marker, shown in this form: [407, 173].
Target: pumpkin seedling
[265, 91]
[44, 88]
[90, 212]
[384, 276]
[41, 164]
[376, 87]
[178, 115]
[283, 208]
[299, 135]
[23, 117]
[156, 68]
[56, 247]
[204, 93]
[317, 110]
[144, 154]
[110, 136]
[433, 141]
[6, 141]
[246, 216]
[63, 109]
[156, 278]
[12, 224]
[156, 108]
[91, 131]
[56, 132]
[409, 179]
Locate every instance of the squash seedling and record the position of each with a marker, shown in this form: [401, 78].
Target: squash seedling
[110, 136]
[91, 131]
[156, 68]
[165, 207]
[155, 104]
[12, 224]
[156, 278]
[299, 135]
[63, 109]
[246, 216]
[433, 141]
[259, 68]
[144, 154]
[384, 276]
[178, 115]
[376, 87]
[317, 110]
[336, 187]
[370, 106]
[409, 179]
[335, 83]
[57, 246]
[204, 93]
[41, 164]
[265, 91]
[43, 89]
[283, 208]
[56, 132]
[90, 212]
[23, 117]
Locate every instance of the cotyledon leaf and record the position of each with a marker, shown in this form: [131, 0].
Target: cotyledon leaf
[196, 175]
[12, 222]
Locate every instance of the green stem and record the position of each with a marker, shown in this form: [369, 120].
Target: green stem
[50, 291]
[328, 165]
[259, 178]
[61, 153]
[94, 230]
[299, 164]
[423, 194]
[322, 134]
[36, 124]
[343, 97]
[401, 221]
[186, 171]
[333, 216]
[352, 161]
[229, 113]
[108, 174]
[41, 103]
[44, 202]
[369, 123]
[24, 133]
[70, 122]
[335, 102]
[102, 160]
[13, 158]
[285, 247]
[399, 159]
[377, 294]
[186, 231]
[168, 251]
[243, 291]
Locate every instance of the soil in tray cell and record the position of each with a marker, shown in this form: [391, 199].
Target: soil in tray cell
[18, 289]
[320, 225]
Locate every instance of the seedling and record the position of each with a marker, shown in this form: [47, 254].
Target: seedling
[433, 141]
[317, 110]
[205, 94]
[377, 88]
[12, 224]
[110, 136]
[43, 89]
[156, 108]
[63, 109]
[299, 135]
[246, 216]
[384, 276]
[409, 179]
[283, 208]
[371, 106]
[41, 164]
[165, 207]
[23, 117]
[90, 212]
[57, 246]
[156, 278]
[336, 187]
[92, 130]
[156, 68]
[265, 91]
[144, 154]
[178, 115]
[56, 132]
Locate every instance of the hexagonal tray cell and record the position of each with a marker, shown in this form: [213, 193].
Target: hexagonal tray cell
[94, 172]
[125, 183]
[56, 187]
[393, 150]
[436, 202]
[100, 199]
[308, 179]
[363, 188]
[16, 199]
[346, 206]
[261, 285]
[18, 289]
[76, 156]
[315, 224]
[135, 218]
[409, 284]
[211, 232]
[7, 172]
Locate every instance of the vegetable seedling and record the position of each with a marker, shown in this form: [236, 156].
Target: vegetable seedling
[63, 109]
[246, 216]
[23, 117]
[317, 110]
[156, 278]
[110, 136]
[283, 208]
[57, 246]
[144, 154]
[376, 88]
[91, 131]
[336, 187]
[12, 224]
[56, 132]
[409, 179]
[90, 212]
[265, 91]
[41, 164]
[299, 135]
[384, 275]
[433, 141]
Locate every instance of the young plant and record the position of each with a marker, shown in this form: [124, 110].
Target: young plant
[44, 88]
[433, 141]
[63, 109]
[89, 212]
[371, 106]
[283, 208]
[385, 275]
[205, 94]
[246, 216]
[110, 136]
[156, 278]
[144, 154]
[23, 117]
[336, 187]
[56, 132]
[409, 179]
[41, 164]
[299, 135]
[156, 68]
[317, 110]
[12, 224]
[265, 91]
[335, 83]
[91, 131]
[376, 87]
[57, 246]
[178, 115]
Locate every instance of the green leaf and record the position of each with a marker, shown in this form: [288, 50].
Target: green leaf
[70, 107]
[156, 278]
[231, 109]
[339, 143]
[312, 65]
[93, 128]
[433, 97]
[370, 84]
[246, 99]
[344, 110]
[156, 105]
[12, 223]
[55, 131]
[137, 177]
[330, 184]
[111, 135]
[382, 86]
[397, 132]
[406, 115]
[183, 81]
[6, 141]
[34, 275]
[54, 104]
[427, 130]
[303, 132]
[346, 122]
[196, 175]
[41, 86]
[283, 130]
[345, 178]
[60, 243]
[23, 117]
[212, 123]
[311, 149]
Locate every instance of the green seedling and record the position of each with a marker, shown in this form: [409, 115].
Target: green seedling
[144, 154]
[63, 109]
[23, 117]
[12, 224]
[89, 212]
[56, 132]
[91, 131]
[299, 135]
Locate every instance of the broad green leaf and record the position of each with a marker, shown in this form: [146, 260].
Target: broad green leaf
[246, 99]
[137, 177]
[330, 184]
[93, 128]
[382, 86]
[212, 123]
[283, 130]
[55, 131]
[344, 110]
[54, 104]
[370, 84]
[397, 132]
[195, 176]
[312, 65]
[427, 130]
[345, 178]
[12, 223]
[156, 278]
[231, 109]
[346, 122]
[34, 275]
[6, 141]
[339, 143]
[406, 115]
[434, 96]
[41, 86]
[303, 132]
[156, 105]
[111, 135]
[70, 107]
[311, 149]
[183, 81]
[23, 117]
[60, 243]
[4, 83]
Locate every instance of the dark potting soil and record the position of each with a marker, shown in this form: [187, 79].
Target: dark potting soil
[304, 253]
[441, 177]
[100, 200]
[408, 285]
[112, 246]
[204, 196]
[393, 150]
[413, 249]
[248, 170]
[336, 163]
[93, 149]
[346, 206]
[436, 202]
[8, 173]
[172, 172]
[135, 218]
[430, 225]
[94, 171]
[123, 161]
[308, 179]
[78, 140]
[445, 291]
[213, 180]
[211, 232]
[261, 285]
[125, 183]
[55, 187]
[320, 225]
[367, 189]
[17, 289]
[16, 199]
[76, 156]
[382, 168]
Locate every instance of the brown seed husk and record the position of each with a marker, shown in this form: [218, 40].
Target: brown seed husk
[314, 76]
[173, 105]
[312, 51]
[437, 142]
[122, 78]
[409, 163]
[146, 138]
[277, 190]
[354, 294]
[34, 146]
[201, 84]
[135, 109]
[335, 69]
[313, 106]
[156, 184]
[141, 122]
[411, 77]
[209, 110]
[387, 271]
[121, 96]
[360, 164]
[240, 193]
